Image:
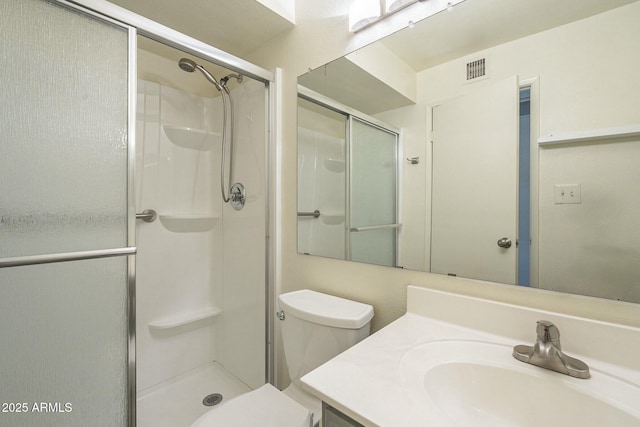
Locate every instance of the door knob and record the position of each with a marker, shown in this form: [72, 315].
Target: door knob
[505, 242]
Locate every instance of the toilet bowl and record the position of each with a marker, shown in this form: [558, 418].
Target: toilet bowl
[315, 328]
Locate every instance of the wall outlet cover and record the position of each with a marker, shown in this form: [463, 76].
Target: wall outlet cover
[567, 194]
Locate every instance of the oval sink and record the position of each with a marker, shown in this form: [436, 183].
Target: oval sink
[481, 384]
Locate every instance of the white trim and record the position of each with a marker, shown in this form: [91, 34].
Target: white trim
[274, 265]
[590, 135]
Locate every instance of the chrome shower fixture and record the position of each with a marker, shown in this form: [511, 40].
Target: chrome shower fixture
[238, 77]
[190, 66]
[187, 65]
[235, 193]
[226, 78]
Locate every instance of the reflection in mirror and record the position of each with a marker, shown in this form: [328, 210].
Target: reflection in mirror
[521, 130]
[321, 180]
[347, 183]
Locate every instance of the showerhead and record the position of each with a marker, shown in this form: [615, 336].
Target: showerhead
[190, 66]
[187, 65]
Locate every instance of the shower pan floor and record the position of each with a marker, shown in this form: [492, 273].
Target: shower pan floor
[178, 401]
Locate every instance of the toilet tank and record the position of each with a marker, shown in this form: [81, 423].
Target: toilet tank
[317, 327]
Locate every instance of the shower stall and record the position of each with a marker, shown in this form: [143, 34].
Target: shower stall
[200, 265]
[135, 279]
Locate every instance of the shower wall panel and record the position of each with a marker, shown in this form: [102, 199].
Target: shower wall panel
[321, 186]
[179, 263]
[201, 253]
[240, 338]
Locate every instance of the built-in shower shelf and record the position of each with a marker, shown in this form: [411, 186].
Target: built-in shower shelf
[590, 135]
[184, 319]
[192, 138]
[332, 218]
[184, 223]
[334, 165]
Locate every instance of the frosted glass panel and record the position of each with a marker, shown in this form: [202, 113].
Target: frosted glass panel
[373, 175]
[373, 193]
[63, 343]
[374, 246]
[63, 130]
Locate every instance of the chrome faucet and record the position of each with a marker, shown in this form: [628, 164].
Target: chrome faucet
[548, 354]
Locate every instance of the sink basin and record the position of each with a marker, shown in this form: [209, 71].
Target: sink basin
[481, 384]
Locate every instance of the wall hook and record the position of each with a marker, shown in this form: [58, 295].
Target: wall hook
[413, 160]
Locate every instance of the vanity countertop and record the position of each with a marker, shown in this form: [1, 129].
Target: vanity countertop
[368, 382]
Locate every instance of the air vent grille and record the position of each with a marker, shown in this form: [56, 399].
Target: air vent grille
[476, 69]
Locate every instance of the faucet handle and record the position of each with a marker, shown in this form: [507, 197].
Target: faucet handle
[548, 332]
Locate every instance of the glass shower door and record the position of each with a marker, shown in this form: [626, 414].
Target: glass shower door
[373, 194]
[66, 246]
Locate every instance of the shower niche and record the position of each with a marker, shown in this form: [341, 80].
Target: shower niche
[192, 138]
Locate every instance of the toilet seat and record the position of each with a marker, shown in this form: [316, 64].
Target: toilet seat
[265, 406]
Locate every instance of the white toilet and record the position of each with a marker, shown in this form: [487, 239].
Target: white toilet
[315, 328]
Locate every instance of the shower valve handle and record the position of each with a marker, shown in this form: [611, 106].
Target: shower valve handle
[237, 196]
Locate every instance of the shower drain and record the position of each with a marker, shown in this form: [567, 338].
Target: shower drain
[212, 399]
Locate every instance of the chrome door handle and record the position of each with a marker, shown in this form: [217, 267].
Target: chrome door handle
[505, 242]
[147, 215]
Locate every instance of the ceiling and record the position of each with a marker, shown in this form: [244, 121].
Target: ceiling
[234, 26]
[347, 83]
[241, 26]
[472, 26]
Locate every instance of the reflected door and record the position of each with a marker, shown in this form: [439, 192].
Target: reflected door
[475, 176]
[65, 249]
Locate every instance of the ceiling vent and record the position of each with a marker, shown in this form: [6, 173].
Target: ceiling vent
[477, 70]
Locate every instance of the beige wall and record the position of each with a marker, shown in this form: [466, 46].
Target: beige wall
[321, 35]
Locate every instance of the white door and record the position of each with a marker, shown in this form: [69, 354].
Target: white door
[474, 193]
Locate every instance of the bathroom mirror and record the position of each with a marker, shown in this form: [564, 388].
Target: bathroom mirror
[519, 148]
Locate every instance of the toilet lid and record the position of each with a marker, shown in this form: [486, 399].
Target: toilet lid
[265, 406]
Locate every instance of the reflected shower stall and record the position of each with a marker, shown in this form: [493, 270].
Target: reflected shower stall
[348, 194]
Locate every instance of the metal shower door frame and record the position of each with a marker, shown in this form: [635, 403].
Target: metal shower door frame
[139, 25]
[130, 250]
[352, 114]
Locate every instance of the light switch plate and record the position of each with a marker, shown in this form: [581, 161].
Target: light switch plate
[567, 194]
